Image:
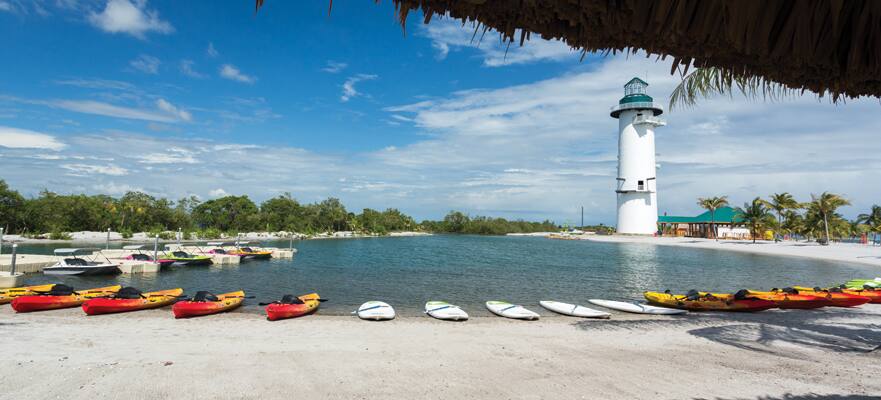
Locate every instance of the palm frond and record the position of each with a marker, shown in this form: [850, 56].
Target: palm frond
[708, 82]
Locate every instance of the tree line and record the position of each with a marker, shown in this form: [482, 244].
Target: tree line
[57, 214]
[785, 216]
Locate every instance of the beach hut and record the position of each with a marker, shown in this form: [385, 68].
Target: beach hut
[827, 47]
[725, 222]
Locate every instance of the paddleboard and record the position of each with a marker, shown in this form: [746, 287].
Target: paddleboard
[636, 308]
[445, 311]
[573, 310]
[376, 311]
[508, 310]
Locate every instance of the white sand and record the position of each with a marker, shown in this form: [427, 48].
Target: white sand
[846, 252]
[148, 355]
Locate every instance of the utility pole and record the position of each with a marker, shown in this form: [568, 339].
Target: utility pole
[582, 217]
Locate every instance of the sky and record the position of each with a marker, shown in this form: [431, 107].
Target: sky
[210, 99]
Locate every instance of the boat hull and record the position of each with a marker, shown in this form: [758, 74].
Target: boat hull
[227, 302]
[275, 312]
[82, 270]
[38, 302]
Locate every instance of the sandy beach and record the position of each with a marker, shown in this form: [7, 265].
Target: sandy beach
[844, 252]
[146, 355]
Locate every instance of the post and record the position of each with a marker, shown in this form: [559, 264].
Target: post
[108, 239]
[1, 241]
[180, 235]
[156, 249]
[14, 249]
[582, 217]
[291, 247]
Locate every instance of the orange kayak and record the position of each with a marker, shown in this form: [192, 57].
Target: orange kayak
[143, 301]
[7, 295]
[792, 300]
[835, 296]
[60, 296]
[874, 295]
[291, 307]
[704, 301]
[205, 303]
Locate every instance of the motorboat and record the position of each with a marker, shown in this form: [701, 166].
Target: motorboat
[184, 259]
[141, 256]
[249, 253]
[81, 261]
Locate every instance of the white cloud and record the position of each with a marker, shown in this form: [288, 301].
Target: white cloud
[123, 16]
[91, 169]
[116, 189]
[230, 71]
[186, 68]
[349, 90]
[5, 6]
[450, 35]
[169, 108]
[110, 110]
[334, 67]
[211, 51]
[219, 192]
[146, 64]
[26, 139]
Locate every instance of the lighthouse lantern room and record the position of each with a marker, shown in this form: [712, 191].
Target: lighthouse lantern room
[637, 115]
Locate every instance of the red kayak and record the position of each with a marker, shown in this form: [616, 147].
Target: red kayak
[836, 297]
[60, 296]
[291, 307]
[130, 299]
[204, 303]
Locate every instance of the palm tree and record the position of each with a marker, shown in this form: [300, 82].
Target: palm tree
[825, 205]
[707, 82]
[712, 204]
[781, 202]
[755, 214]
[872, 220]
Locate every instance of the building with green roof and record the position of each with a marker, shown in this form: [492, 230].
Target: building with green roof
[698, 226]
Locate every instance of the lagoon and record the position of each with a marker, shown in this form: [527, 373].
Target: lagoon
[468, 270]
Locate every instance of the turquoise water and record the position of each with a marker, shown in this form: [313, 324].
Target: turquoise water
[468, 270]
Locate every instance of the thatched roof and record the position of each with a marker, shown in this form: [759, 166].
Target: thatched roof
[831, 47]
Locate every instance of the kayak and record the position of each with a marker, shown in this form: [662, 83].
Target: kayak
[636, 308]
[122, 303]
[792, 300]
[513, 311]
[7, 295]
[835, 297]
[874, 295]
[445, 311]
[709, 302]
[60, 296]
[291, 307]
[860, 283]
[204, 303]
[375, 311]
[573, 310]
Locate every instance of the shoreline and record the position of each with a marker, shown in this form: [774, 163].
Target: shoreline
[771, 354]
[92, 237]
[836, 252]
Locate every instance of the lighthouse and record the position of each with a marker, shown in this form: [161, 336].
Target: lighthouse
[637, 189]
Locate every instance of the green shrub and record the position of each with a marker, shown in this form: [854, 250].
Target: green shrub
[126, 233]
[55, 235]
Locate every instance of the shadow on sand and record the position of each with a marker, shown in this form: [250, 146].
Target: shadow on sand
[776, 332]
[809, 396]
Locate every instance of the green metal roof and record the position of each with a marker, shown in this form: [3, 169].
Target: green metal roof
[636, 80]
[636, 98]
[725, 215]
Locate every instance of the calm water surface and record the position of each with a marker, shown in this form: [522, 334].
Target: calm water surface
[468, 270]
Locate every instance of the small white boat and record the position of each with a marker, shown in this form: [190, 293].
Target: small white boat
[508, 310]
[10, 280]
[636, 308]
[445, 311]
[375, 311]
[69, 263]
[573, 310]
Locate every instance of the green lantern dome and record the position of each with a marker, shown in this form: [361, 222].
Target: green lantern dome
[635, 98]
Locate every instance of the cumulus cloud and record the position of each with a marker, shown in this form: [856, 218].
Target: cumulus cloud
[91, 169]
[187, 68]
[230, 72]
[123, 16]
[146, 64]
[26, 139]
[450, 35]
[219, 192]
[333, 67]
[349, 90]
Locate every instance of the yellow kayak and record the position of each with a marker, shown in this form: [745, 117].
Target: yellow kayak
[704, 301]
[7, 295]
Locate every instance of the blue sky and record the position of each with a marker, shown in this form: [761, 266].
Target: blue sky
[209, 98]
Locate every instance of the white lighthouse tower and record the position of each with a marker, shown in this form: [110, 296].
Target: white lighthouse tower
[637, 185]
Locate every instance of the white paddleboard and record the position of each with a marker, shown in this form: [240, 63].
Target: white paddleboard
[508, 310]
[376, 311]
[445, 311]
[636, 308]
[573, 310]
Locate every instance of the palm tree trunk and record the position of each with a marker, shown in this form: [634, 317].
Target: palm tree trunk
[826, 226]
[713, 224]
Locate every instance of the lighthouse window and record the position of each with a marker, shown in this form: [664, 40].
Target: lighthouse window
[640, 185]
